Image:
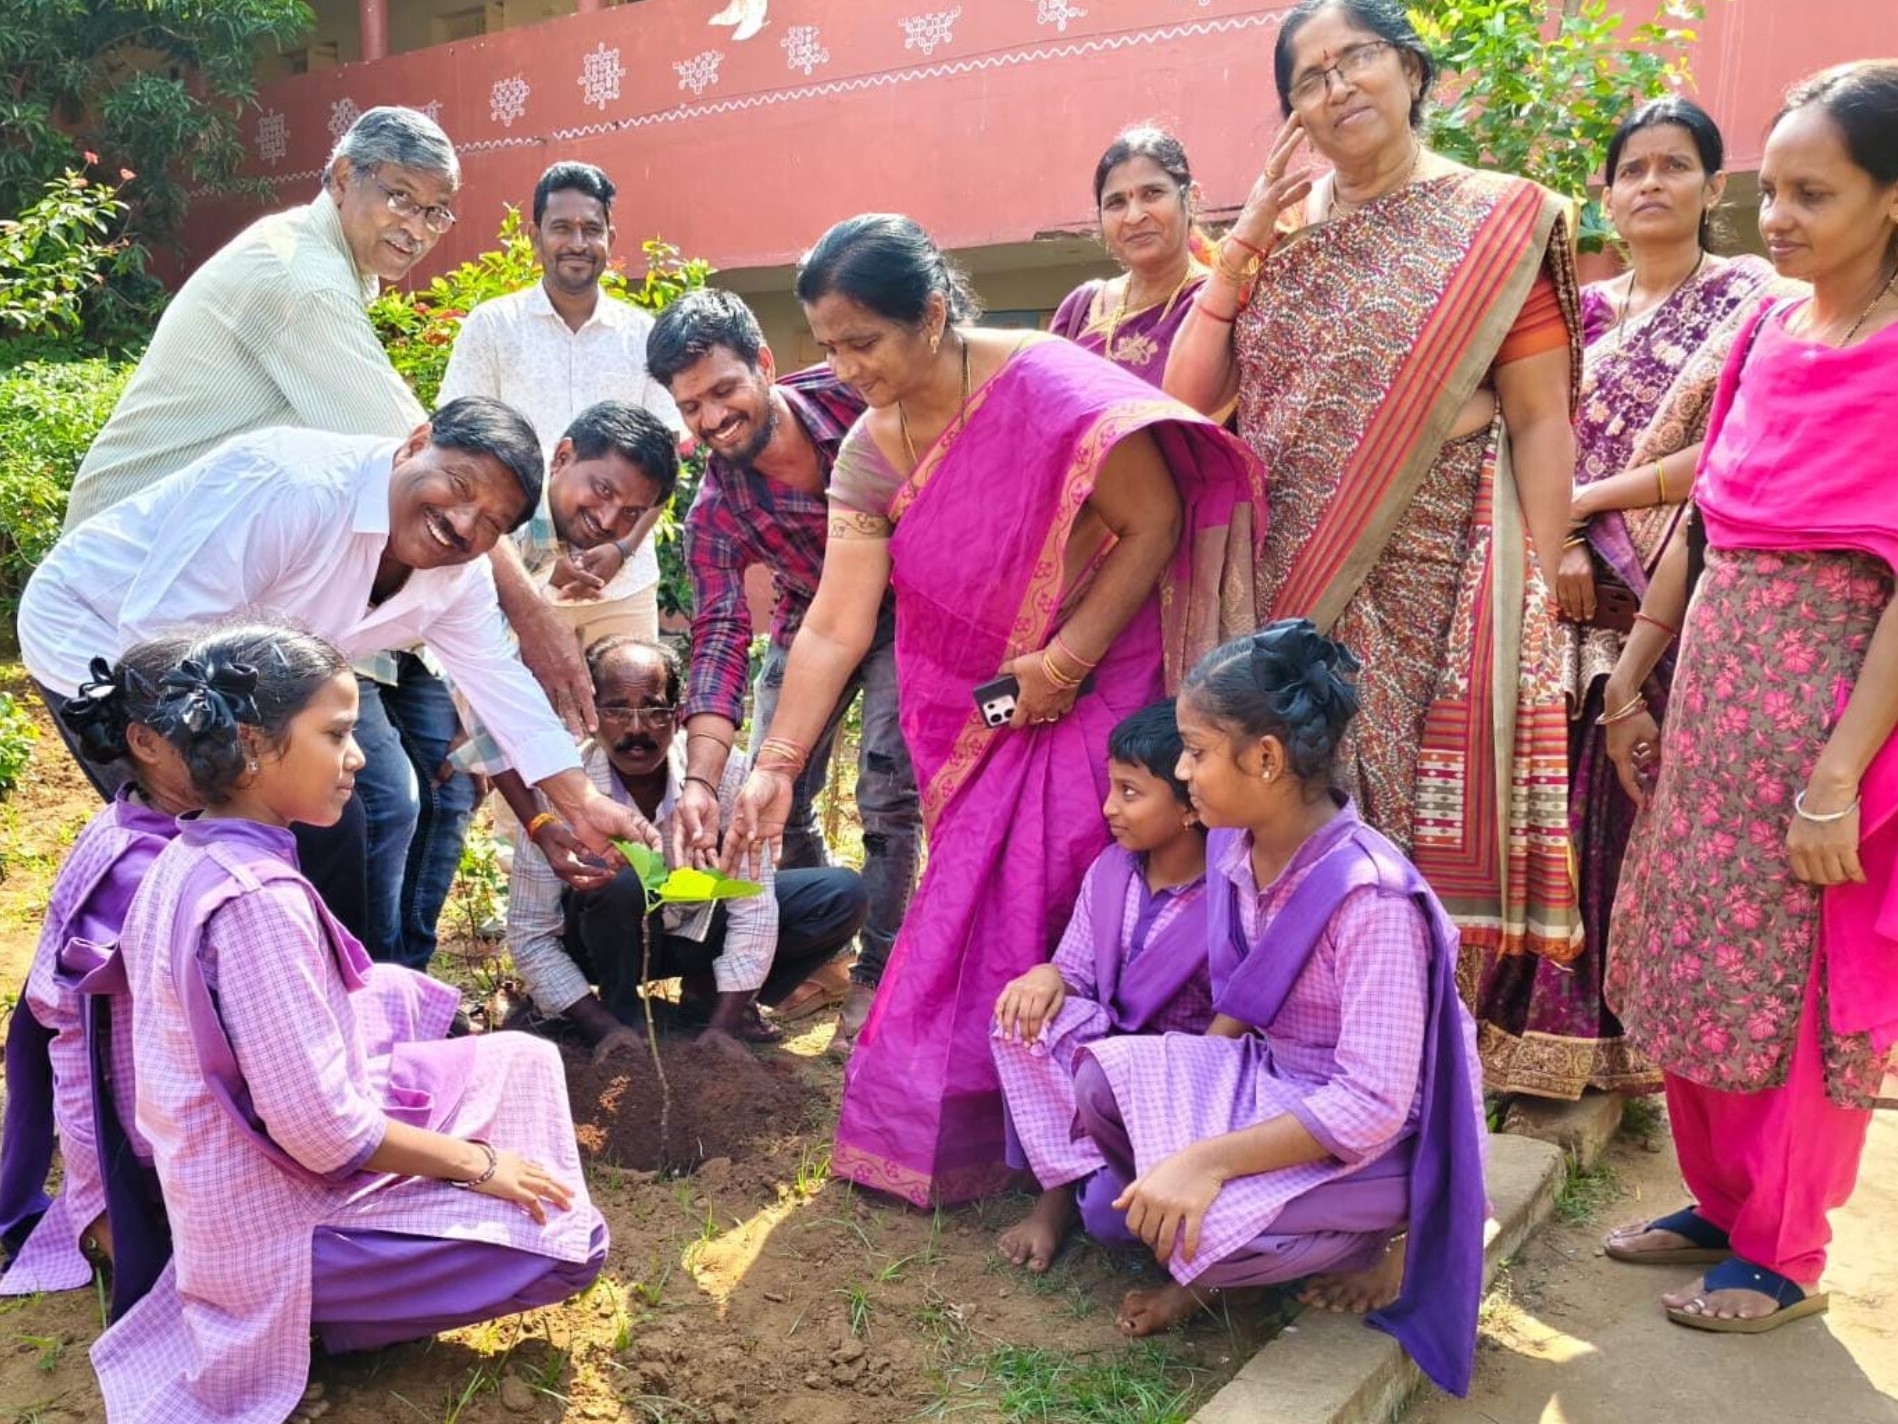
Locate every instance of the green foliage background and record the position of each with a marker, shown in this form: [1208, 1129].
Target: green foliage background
[1524, 95]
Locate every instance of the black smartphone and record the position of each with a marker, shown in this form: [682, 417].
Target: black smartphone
[996, 700]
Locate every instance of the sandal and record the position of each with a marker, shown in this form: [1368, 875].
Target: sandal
[823, 990]
[1709, 1246]
[1790, 1300]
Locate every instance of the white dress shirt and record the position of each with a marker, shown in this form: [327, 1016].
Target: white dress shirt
[287, 523]
[536, 921]
[519, 350]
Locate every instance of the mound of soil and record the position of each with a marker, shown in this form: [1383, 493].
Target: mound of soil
[724, 1104]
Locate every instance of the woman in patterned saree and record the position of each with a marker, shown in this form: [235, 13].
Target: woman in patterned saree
[1403, 347]
[1657, 338]
[1754, 956]
[1040, 514]
[1144, 195]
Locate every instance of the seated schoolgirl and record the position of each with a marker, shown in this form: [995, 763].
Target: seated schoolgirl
[329, 1161]
[1333, 1102]
[1133, 960]
[49, 1075]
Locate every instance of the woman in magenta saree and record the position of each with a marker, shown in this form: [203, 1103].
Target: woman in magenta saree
[1061, 523]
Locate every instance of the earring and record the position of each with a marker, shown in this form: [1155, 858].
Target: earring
[935, 341]
[250, 767]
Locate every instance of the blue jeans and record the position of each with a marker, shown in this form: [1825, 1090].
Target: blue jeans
[887, 801]
[416, 826]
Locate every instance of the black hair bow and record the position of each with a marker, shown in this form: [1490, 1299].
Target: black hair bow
[210, 699]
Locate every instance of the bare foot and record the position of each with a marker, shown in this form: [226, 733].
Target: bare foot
[311, 1406]
[1678, 1299]
[1148, 1312]
[1359, 1292]
[1733, 1304]
[1036, 1240]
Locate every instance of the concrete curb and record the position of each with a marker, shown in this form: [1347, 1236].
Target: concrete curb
[1333, 1369]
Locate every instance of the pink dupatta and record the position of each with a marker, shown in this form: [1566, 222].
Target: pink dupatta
[1799, 458]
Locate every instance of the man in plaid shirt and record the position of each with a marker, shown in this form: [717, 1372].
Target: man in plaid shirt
[772, 443]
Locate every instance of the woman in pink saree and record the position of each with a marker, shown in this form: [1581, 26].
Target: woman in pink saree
[1041, 516]
[1754, 954]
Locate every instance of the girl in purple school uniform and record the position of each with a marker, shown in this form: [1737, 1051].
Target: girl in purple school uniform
[328, 1160]
[49, 1068]
[1333, 1102]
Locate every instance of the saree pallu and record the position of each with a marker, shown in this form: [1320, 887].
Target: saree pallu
[1647, 388]
[1364, 338]
[1138, 341]
[985, 565]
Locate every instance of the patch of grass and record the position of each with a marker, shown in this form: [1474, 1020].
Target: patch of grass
[38, 1412]
[50, 1348]
[1138, 1384]
[1641, 1117]
[813, 1169]
[1584, 1193]
[662, 1409]
[857, 1309]
[944, 1323]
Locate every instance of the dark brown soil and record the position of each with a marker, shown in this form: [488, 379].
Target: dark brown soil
[724, 1104]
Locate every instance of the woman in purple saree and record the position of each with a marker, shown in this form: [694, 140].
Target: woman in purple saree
[1041, 516]
[1144, 196]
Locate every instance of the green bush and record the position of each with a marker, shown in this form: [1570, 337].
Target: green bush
[17, 734]
[49, 413]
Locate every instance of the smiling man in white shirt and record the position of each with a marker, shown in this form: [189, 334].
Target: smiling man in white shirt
[375, 544]
[551, 351]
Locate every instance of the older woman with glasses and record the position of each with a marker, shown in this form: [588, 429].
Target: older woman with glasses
[1402, 338]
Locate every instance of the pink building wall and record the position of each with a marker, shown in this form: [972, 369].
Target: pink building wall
[981, 118]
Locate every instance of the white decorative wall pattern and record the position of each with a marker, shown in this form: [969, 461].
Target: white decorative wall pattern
[507, 100]
[600, 74]
[801, 49]
[273, 138]
[926, 32]
[343, 113]
[700, 72]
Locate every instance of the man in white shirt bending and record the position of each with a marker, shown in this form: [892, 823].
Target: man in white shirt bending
[551, 351]
[375, 544]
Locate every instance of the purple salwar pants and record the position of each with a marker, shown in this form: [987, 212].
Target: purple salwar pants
[1341, 1227]
[369, 1289]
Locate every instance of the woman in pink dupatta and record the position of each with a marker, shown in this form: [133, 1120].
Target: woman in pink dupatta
[1144, 196]
[1754, 955]
[1041, 515]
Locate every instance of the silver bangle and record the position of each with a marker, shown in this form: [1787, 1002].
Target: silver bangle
[1817, 818]
[494, 1165]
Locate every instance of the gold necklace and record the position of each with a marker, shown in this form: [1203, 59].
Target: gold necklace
[1883, 292]
[1126, 294]
[1627, 297]
[902, 416]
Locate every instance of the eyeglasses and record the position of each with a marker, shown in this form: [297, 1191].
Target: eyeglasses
[436, 219]
[657, 718]
[1353, 64]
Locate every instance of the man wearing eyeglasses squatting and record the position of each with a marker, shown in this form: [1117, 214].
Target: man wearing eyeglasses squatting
[273, 330]
[577, 926]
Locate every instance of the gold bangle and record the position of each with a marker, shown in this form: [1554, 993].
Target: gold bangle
[1660, 481]
[545, 818]
[1634, 704]
[1055, 675]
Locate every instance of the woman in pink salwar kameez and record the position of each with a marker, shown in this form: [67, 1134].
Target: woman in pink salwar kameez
[1042, 516]
[50, 1078]
[1754, 947]
[1335, 1100]
[309, 1124]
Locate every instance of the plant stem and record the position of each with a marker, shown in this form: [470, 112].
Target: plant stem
[652, 1039]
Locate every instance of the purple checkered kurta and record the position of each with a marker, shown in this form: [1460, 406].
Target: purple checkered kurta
[1158, 982]
[1343, 1055]
[306, 1043]
[89, 901]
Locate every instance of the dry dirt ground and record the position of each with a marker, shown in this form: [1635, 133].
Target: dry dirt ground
[755, 1289]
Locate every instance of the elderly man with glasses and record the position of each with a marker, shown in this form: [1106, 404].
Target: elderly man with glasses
[571, 926]
[273, 331]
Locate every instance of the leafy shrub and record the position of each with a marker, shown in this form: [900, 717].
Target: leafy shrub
[17, 734]
[49, 413]
[418, 331]
[56, 252]
[1545, 105]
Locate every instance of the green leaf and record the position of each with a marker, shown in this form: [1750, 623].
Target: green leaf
[690, 887]
[647, 864]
